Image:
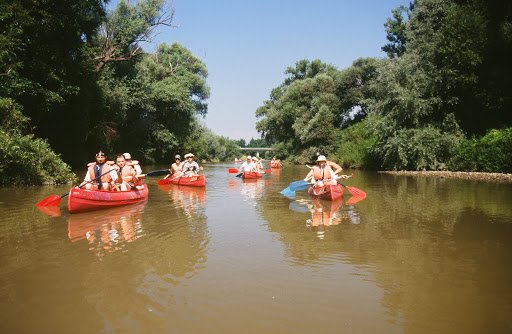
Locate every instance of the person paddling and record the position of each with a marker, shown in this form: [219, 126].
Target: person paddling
[190, 167]
[95, 170]
[176, 167]
[125, 174]
[321, 174]
[247, 165]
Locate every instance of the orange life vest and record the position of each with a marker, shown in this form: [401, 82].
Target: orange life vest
[107, 166]
[126, 174]
[322, 173]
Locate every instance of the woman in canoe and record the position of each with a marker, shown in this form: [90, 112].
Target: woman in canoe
[321, 174]
[257, 165]
[275, 163]
[190, 167]
[100, 167]
[176, 167]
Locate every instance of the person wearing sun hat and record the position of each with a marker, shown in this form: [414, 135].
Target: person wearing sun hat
[190, 167]
[133, 163]
[321, 174]
[256, 163]
[247, 165]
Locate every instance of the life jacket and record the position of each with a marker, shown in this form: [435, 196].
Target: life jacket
[135, 164]
[126, 174]
[322, 174]
[107, 166]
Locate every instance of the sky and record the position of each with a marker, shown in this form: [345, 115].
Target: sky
[248, 44]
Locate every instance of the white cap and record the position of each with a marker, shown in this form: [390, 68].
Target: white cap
[127, 156]
[321, 158]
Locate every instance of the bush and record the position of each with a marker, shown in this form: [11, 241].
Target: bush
[491, 153]
[354, 149]
[25, 160]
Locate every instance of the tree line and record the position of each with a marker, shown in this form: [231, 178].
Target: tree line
[440, 100]
[75, 78]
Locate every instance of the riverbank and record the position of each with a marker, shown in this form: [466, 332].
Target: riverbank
[478, 176]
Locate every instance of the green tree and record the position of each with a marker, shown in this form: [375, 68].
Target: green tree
[396, 28]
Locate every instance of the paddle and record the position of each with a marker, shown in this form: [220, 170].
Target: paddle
[155, 173]
[287, 192]
[354, 191]
[54, 200]
[233, 171]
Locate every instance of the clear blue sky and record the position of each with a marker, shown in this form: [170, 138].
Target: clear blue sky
[247, 46]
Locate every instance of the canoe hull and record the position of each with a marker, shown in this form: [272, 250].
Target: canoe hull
[192, 181]
[327, 192]
[81, 200]
[251, 175]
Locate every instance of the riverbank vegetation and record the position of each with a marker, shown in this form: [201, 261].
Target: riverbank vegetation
[75, 78]
[79, 80]
[440, 100]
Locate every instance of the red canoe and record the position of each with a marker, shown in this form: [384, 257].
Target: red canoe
[327, 192]
[193, 181]
[81, 200]
[251, 175]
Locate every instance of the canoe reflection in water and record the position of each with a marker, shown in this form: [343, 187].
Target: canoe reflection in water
[107, 230]
[326, 213]
[190, 199]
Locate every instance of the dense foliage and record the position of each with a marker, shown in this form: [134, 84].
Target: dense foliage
[24, 159]
[77, 76]
[447, 78]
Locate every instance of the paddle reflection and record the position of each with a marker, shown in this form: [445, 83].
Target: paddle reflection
[107, 230]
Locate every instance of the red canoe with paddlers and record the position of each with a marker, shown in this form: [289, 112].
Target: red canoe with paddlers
[82, 200]
[193, 181]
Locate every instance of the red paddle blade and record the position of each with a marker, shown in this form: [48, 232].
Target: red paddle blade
[233, 171]
[51, 211]
[356, 191]
[52, 200]
[354, 199]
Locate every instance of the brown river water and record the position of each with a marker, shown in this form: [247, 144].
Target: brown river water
[417, 255]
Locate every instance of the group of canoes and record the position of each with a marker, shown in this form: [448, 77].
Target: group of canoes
[110, 184]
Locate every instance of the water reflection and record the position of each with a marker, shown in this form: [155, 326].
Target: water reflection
[325, 214]
[107, 230]
[190, 199]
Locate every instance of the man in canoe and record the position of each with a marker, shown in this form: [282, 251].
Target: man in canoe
[134, 163]
[125, 174]
[190, 167]
[247, 165]
[321, 174]
[136, 166]
[98, 176]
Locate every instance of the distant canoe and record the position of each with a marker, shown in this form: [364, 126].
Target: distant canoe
[192, 181]
[82, 200]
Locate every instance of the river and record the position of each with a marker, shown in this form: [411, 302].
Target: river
[417, 255]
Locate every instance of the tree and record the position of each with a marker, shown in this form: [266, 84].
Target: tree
[396, 28]
[124, 31]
